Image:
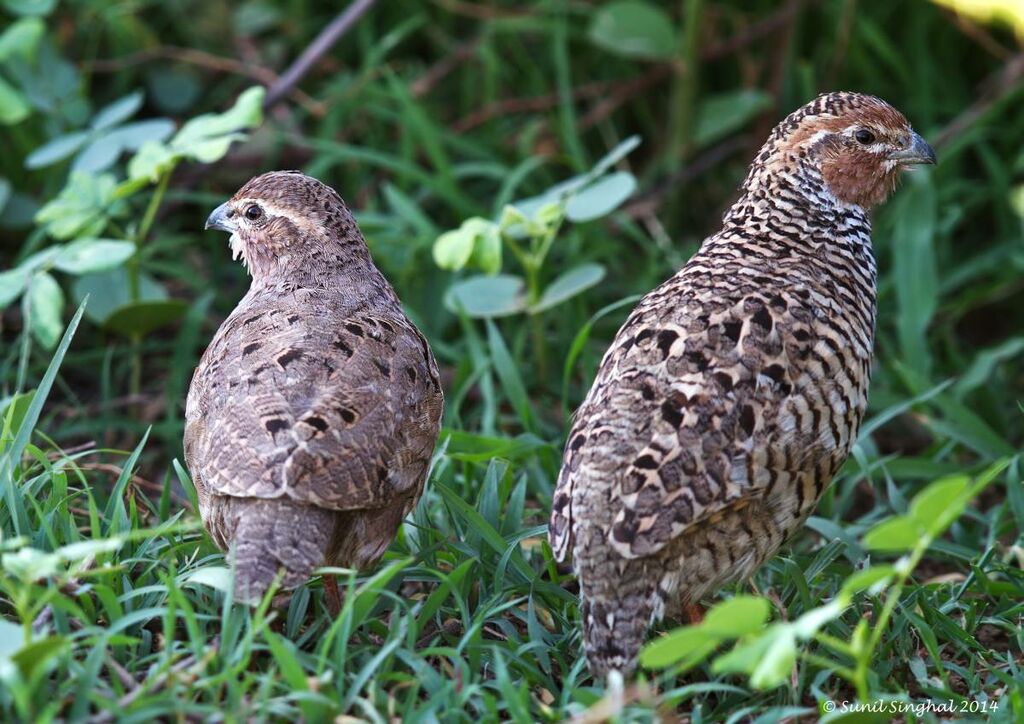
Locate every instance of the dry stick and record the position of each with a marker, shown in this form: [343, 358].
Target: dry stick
[1005, 81]
[204, 60]
[128, 699]
[624, 91]
[320, 45]
[439, 70]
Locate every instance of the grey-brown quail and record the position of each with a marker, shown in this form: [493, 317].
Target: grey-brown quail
[733, 392]
[313, 414]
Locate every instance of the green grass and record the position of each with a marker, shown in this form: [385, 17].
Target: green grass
[112, 598]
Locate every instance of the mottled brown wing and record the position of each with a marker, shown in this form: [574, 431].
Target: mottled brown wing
[337, 414]
[687, 416]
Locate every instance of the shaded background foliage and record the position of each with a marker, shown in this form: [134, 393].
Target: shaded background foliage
[425, 115]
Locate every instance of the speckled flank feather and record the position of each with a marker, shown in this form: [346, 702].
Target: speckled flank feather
[733, 392]
[314, 412]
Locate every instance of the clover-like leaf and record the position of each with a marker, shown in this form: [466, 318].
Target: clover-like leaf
[86, 256]
[81, 208]
[21, 39]
[208, 137]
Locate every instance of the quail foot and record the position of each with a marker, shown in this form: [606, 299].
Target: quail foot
[733, 392]
[313, 414]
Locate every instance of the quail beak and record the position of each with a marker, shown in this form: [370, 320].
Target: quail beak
[221, 219]
[917, 152]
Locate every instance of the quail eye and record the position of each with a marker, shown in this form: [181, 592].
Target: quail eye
[253, 212]
[864, 137]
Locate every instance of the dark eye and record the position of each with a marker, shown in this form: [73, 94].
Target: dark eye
[864, 137]
[253, 212]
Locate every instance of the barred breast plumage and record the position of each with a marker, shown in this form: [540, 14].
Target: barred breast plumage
[734, 391]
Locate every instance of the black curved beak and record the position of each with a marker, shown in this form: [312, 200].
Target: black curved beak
[917, 152]
[221, 219]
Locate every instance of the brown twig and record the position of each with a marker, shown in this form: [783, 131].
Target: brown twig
[206, 60]
[323, 42]
[1005, 81]
[128, 699]
[439, 70]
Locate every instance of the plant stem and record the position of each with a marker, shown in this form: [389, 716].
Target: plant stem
[134, 266]
[892, 598]
[684, 90]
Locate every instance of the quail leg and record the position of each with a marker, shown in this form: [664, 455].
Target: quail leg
[332, 596]
[694, 613]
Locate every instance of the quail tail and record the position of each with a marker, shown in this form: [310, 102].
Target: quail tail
[278, 536]
[614, 628]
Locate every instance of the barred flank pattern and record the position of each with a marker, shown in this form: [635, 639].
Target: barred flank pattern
[731, 395]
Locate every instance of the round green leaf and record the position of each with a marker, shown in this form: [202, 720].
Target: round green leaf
[601, 197]
[453, 249]
[86, 256]
[485, 296]
[634, 29]
[144, 317]
[110, 290]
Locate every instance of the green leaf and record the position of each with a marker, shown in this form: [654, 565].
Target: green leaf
[12, 638]
[736, 617]
[218, 577]
[104, 151]
[45, 309]
[152, 161]
[487, 249]
[484, 296]
[120, 110]
[870, 579]
[30, 7]
[14, 106]
[81, 208]
[21, 39]
[85, 256]
[145, 316]
[720, 115]
[568, 285]
[915, 269]
[634, 29]
[600, 198]
[687, 646]
[899, 533]
[31, 564]
[12, 283]
[207, 138]
[453, 249]
[939, 504]
[56, 149]
[5, 192]
[508, 374]
[110, 290]
[38, 654]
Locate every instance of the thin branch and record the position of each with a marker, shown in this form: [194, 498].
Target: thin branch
[316, 50]
[202, 59]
